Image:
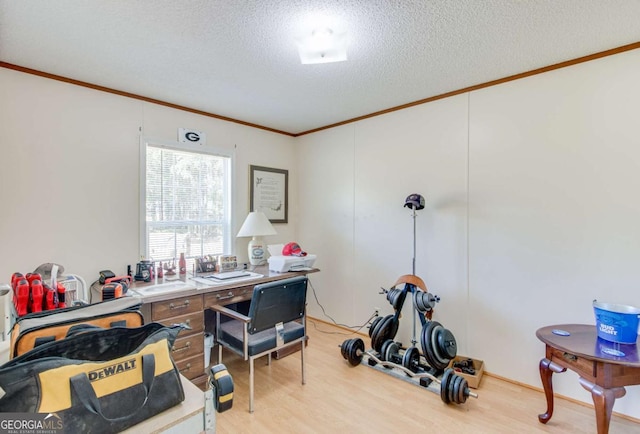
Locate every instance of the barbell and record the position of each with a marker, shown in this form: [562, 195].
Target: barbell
[453, 388]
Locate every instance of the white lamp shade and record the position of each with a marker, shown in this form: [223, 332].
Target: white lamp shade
[256, 225]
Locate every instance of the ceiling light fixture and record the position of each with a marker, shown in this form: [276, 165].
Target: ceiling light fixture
[323, 46]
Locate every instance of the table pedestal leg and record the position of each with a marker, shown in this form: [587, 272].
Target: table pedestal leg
[547, 368]
[603, 400]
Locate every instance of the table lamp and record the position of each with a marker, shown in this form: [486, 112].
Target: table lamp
[256, 225]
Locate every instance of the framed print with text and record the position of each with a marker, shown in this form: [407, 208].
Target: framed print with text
[270, 192]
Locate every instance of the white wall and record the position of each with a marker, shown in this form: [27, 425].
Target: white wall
[69, 178]
[532, 211]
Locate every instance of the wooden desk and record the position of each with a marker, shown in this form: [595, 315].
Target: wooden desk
[601, 373]
[188, 305]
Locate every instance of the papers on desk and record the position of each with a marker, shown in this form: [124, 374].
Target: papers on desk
[211, 280]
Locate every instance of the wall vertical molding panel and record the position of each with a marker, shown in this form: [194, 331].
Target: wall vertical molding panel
[551, 162]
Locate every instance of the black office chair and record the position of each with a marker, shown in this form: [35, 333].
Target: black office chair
[276, 320]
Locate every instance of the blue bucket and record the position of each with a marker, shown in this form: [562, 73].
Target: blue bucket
[616, 322]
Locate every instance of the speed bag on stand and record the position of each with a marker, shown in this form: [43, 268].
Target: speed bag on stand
[98, 381]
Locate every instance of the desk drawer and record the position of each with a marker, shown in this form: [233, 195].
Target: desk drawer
[228, 296]
[178, 306]
[193, 320]
[188, 346]
[192, 367]
[574, 362]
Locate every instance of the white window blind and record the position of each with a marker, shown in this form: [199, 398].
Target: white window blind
[187, 203]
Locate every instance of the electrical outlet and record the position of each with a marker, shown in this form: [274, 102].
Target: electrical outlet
[377, 310]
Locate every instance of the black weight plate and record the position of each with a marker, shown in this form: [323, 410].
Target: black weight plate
[343, 348]
[464, 390]
[389, 332]
[383, 349]
[439, 361]
[376, 337]
[425, 341]
[392, 350]
[390, 295]
[418, 301]
[462, 396]
[434, 344]
[411, 358]
[386, 330]
[373, 324]
[396, 300]
[375, 334]
[455, 386]
[447, 344]
[393, 329]
[356, 346]
[444, 391]
[451, 388]
[456, 390]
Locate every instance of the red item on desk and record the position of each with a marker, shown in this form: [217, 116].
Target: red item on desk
[61, 295]
[182, 264]
[37, 292]
[15, 278]
[50, 298]
[33, 276]
[21, 297]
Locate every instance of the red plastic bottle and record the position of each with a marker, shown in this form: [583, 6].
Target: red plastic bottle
[182, 264]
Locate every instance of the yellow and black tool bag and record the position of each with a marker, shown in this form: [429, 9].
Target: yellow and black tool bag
[39, 328]
[96, 381]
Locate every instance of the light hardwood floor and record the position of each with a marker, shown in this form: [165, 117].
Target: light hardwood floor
[340, 398]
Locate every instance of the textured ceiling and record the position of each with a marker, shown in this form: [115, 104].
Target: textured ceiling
[238, 58]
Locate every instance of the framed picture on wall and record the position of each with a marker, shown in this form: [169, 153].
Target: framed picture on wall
[269, 192]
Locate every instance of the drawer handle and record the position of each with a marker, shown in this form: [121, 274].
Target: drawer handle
[185, 348]
[221, 297]
[180, 306]
[186, 368]
[569, 357]
[185, 325]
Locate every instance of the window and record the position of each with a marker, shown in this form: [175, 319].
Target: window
[187, 203]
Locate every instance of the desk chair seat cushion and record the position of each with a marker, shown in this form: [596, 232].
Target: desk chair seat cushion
[231, 333]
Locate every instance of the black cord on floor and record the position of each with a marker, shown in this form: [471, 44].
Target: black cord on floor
[356, 328]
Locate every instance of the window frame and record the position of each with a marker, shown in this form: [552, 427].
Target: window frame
[228, 239]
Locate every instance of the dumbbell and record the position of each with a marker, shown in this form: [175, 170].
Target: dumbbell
[453, 388]
[390, 352]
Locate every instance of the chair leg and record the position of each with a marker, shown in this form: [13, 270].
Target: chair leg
[251, 373]
[219, 353]
[302, 360]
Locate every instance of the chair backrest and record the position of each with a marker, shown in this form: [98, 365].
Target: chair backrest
[275, 302]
